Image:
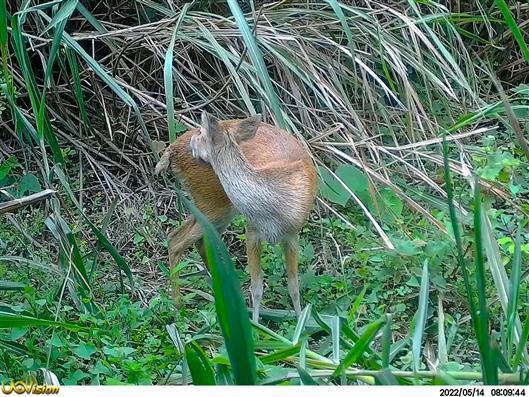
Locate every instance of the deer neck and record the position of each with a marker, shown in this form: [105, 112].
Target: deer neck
[232, 168]
[241, 182]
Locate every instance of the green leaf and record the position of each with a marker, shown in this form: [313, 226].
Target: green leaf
[199, 365]
[7, 165]
[10, 285]
[489, 362]
[302, 322]
[84, 350]
[99, 368]
[388, 205]
[123, 351]
[280, 354]
[331, 188]
[515, 29]
[79, 96]
[258, 61]
[512, 307]
[103, 240]
[360, 347]
[168, 76]
[3, 29]
[306, 378]
[229, 302]
[13, 320]
[69, 249]
[29, 183]
[420, 317]
[14, 347]
[355, 179]
[63, 14]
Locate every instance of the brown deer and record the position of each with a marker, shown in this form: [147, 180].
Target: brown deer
[248, 167]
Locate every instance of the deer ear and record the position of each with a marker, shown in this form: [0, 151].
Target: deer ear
[209, 126]
[247, 128]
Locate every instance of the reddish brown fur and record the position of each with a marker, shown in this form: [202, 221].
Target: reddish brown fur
[273, 151]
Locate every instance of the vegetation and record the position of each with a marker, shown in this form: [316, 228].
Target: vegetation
[412, 262]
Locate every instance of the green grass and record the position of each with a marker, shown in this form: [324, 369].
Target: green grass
[412, 264]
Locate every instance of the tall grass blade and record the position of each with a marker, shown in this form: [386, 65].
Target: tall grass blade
[4, 49]
[512, 308]
[489, 363]
[13, 320]
[168, 76]
[360, 346]
[420, 317]
[457, 236]
[200, 367]
[386, 341]
[306, 378]
[513, 26]
[103, 240]
[78, 89]
[442, 351]
[66, 10]
[520, 348]
[258, 61]
[229, 302]
[14, 347]
[302, 322]
[282, 354]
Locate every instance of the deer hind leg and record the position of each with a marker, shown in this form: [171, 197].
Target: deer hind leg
[253, 251]
[199, 245]
[291, 250]
[179, 240]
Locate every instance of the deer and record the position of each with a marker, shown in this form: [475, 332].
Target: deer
[248, 167]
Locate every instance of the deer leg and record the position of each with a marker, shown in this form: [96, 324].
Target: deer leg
[253, 251]
[199, 245]
[179, 240]
[291, 250]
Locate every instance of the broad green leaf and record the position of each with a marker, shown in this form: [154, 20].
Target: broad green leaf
[355, 179]
[388, 205]
[29, 183]
[84, 350]
[7, 165]
[331, 189]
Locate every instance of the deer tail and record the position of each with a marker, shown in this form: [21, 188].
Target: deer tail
[164, 162]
